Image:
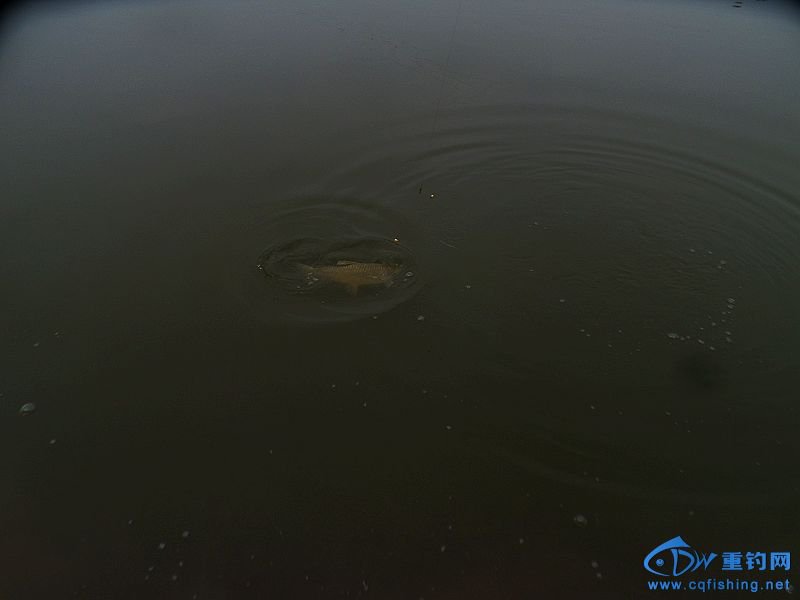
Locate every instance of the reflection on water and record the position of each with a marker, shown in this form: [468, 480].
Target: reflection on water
[405, 301]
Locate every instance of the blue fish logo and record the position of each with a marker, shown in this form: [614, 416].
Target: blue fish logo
[678, 555]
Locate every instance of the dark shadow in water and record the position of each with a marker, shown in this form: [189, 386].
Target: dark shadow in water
[701, 372]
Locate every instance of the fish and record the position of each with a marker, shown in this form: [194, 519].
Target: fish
[353, 275]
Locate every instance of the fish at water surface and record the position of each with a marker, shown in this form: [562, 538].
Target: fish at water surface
[353, 275]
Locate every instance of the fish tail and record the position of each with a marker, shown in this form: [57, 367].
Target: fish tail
[305, 268]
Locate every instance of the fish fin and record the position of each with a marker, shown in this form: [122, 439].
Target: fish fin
[343, 263]
[352, 289]
[305, 268]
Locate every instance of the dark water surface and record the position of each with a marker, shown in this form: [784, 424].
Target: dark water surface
[597, 349]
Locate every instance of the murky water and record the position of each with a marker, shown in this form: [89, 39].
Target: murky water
[587, 347]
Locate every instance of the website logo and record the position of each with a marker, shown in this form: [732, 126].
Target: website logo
[675, 557]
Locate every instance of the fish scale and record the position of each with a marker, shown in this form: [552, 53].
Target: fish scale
[353, 275]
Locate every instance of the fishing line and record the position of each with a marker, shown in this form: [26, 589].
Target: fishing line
[444, 80]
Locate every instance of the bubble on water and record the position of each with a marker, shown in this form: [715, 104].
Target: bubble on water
[421, 318]
[594, 564]
[580, 520]
[469, 287]
[730, 306]
[161, 546]
[409, 273]
[700, 342]
[27, 409]
[443, 548]
[562, 300]
[729, 340]
[691, 250]
[53, 441]
[185, 534]
[731, 300]
[673, 336]
[521, 541]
